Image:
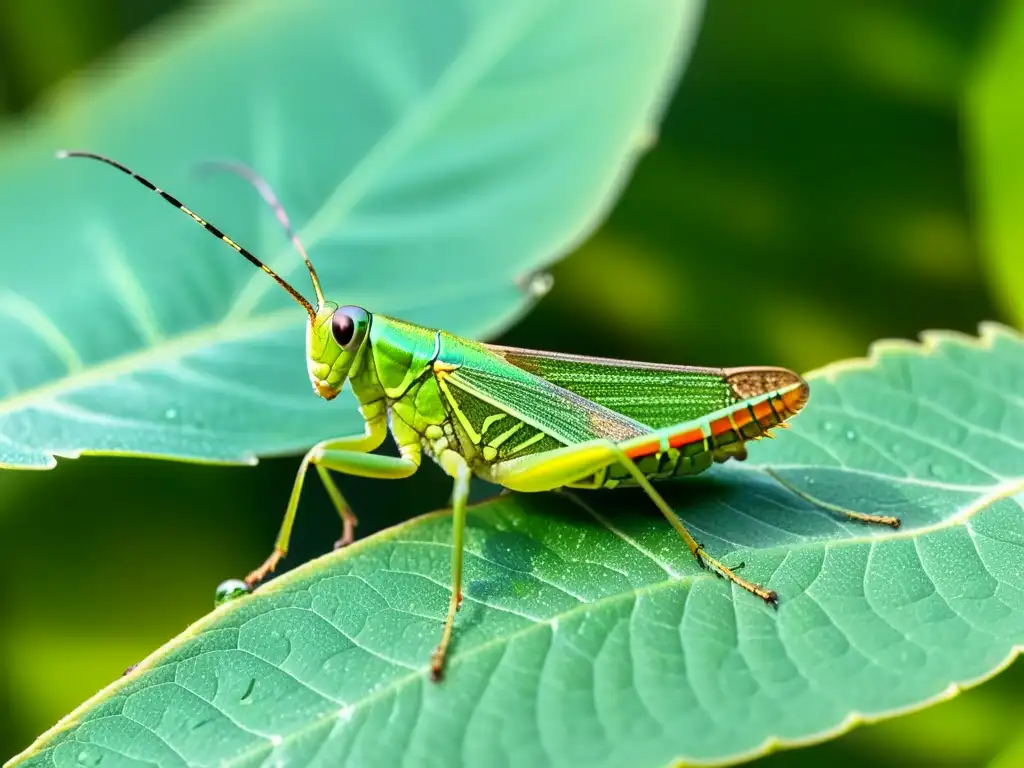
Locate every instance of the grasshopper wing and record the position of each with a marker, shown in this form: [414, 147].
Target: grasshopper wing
[519, 399]
[493, 398]
[655, 395]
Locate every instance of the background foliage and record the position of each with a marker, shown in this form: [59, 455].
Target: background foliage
[818, 184]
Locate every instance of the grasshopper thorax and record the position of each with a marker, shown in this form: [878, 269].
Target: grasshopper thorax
[333, 343]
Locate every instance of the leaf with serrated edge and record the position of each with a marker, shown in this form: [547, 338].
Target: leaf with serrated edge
[589, 636]
[431, 155]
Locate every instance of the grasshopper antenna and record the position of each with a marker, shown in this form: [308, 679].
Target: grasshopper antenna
[62, 154]
[267, 193]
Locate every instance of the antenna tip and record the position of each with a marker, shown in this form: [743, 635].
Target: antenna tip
[61, 154]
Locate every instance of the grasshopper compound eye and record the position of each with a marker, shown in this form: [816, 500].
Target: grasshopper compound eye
[348, 326]
[343, 328]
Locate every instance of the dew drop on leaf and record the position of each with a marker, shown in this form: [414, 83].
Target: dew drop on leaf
[229, 590]
[89, 758]
[538, 284]
[171, 413]
[851, 435]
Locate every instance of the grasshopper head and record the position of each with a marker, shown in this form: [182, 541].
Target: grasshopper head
[335, 339]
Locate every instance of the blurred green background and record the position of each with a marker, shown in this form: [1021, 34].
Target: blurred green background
[812, 190]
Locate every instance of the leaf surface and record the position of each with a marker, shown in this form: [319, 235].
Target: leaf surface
[432, 157]
[590, 636]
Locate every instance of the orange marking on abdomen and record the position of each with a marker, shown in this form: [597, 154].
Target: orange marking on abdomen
[769, 412]
[763, 412]
[721, 426]
[644, 449]
[741, 417]
[685, 438]
[692, 435]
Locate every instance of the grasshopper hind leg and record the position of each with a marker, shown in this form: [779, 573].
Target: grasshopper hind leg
[704, 560]
[565, 466]
[861, 517]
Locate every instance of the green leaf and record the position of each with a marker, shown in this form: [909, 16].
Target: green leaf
[432, 156]
[994, 123]
[595, 639]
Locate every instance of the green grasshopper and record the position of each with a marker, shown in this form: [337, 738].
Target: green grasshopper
[524, 419]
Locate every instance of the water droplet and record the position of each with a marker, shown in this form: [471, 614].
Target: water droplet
[851, 435]
[171, 413]
[229, 590]
[828, 426]
[536, 285]
[89, 758]
[937, 470]
[541, 284]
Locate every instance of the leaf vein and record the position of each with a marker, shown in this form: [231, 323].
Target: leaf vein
[36, 319]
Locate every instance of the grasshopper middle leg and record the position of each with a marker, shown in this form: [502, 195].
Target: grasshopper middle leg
[456, 466]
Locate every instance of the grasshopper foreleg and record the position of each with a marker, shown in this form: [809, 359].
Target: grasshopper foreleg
[351, 456]
[348, 519]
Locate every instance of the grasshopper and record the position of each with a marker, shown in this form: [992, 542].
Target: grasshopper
[523, 419]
